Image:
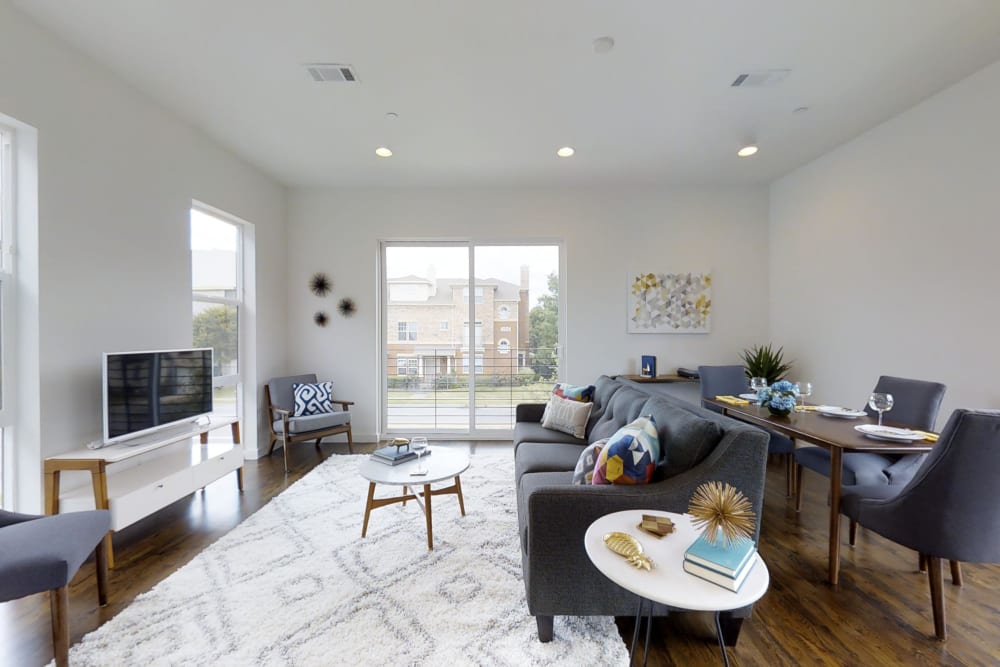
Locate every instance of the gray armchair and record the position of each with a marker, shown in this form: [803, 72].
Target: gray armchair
[43, 553]
[284, 426]
[947, 510]
[916, 406]
[731, 381]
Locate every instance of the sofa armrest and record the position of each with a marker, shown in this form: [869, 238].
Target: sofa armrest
[529, 412]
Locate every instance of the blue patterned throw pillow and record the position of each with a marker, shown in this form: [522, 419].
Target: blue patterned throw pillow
[313, 399]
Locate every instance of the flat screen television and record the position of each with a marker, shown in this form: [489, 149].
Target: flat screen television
[148, 391]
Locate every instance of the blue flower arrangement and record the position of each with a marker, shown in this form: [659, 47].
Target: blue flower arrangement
[780, 398]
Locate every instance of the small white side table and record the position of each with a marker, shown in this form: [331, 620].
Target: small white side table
[667, 583]
[440, 464]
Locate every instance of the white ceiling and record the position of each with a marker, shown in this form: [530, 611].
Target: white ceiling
[486, 92]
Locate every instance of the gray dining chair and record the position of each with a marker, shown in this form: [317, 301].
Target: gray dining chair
[43, 553]
[731, 381]
[946, 511]
[916, 405]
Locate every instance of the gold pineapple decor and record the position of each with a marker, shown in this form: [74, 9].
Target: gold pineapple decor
[720, 510]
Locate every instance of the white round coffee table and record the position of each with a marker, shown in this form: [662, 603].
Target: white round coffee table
[668, 583]
[440, 464]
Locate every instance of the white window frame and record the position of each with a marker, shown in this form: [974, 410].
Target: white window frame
[7, 295]
[408, 366]
[406, 331]
[503, 346]
[234, 380]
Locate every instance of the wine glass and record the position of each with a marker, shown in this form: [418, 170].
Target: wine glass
[805, 390]
[757, 384]
[418, 445]
[880, 403]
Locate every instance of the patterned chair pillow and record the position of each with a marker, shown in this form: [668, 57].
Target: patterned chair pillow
[584, 472]
[567, 416]
[631, 454]
[313, 399]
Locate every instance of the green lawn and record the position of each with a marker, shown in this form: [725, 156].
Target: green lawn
[486, 397]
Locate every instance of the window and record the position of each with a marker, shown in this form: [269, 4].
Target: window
[479, 363]
[503, 312]
[504, 329]
[217, 300]
[407, 366]
[479, 294]
[444, 325]
[6, 285]
[407, 331]
[479, 333]
[503, 347]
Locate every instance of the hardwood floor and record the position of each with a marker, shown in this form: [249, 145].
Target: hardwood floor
[878, 615]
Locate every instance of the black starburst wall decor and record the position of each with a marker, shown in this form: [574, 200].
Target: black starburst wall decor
[320, 284]
[321, 319]
[347, 307]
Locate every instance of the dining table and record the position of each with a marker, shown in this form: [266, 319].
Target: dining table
[835, 434]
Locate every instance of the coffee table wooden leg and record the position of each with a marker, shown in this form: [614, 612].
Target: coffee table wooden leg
[368, 508]
[836, 472]
[427, 512]
[458, 490]
[405, 488]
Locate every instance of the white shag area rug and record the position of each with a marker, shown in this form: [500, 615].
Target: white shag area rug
[295, 584]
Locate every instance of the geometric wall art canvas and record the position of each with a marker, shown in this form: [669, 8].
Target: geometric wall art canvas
[670, 303]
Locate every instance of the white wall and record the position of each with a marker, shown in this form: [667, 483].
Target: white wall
[884, 253]
[116, 178]
[607, 234]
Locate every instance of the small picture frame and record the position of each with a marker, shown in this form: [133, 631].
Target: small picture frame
[647, 367]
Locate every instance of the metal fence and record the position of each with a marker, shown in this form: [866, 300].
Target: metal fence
[433, 394]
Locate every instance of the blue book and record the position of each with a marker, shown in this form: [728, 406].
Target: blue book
[708, 574]
[727, 560]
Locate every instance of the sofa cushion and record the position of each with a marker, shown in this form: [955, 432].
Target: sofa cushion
[525, 432]
[584, 471]
[567, 416]
[604, 389]
[686, 438]
[623, 407]
[631, 454]
[546, 457]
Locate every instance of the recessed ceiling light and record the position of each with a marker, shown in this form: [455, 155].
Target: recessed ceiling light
[565, 151]
[382, 151]
[747, 151]
[604, 44]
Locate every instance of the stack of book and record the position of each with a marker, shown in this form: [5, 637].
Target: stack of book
[727, 566]
[393, 455]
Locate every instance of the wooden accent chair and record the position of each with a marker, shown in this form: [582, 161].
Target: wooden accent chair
[43, 553]
[947, 510]
[732, 381]
[284, 426]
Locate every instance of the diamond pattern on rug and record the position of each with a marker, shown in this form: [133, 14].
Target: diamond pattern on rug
[295, 584]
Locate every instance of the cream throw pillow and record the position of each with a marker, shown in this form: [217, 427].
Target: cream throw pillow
[567, 416]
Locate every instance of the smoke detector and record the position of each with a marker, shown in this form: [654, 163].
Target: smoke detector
[331, 73]
[761, 78]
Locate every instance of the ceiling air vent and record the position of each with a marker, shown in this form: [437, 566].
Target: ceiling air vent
[761, 78]
[328, 72]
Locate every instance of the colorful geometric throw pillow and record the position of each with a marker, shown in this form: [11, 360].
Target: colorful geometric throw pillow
[631, 454]
[313, 399]
[574, 393]
[584, 471]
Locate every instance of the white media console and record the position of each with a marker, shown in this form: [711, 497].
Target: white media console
[133, 486]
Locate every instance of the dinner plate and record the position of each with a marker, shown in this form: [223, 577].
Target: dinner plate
[890, 433]
[749, 397]
[843, 413]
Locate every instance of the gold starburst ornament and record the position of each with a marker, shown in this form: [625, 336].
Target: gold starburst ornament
[721, 511]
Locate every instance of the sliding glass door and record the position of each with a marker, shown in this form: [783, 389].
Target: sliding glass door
[468, 332]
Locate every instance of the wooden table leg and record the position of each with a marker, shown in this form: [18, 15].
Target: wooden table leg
[239, 478]
[236, 432]
[52, 492]
[427, 512]
[836, 472]
[368, 508]
[458, 490]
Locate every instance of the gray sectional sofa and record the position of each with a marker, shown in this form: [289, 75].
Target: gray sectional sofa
[553, 514]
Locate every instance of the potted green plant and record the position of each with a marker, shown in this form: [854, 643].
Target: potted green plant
[764, 362]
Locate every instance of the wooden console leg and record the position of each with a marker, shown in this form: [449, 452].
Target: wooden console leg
[236, 432]
[239, 478]
[203, 438]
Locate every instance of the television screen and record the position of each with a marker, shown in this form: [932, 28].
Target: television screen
[144, 391]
